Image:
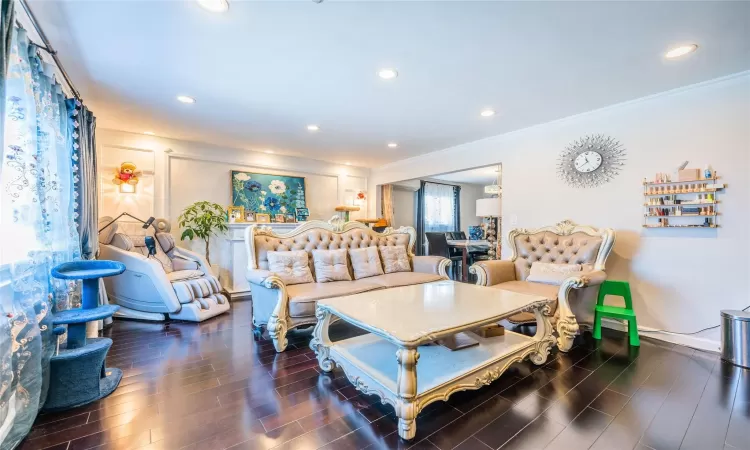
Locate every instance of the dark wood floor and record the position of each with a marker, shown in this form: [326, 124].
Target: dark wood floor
[211, 386]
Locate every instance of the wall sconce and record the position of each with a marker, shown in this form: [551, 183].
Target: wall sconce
[126, 188]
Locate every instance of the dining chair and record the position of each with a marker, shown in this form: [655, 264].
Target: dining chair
[437, 245]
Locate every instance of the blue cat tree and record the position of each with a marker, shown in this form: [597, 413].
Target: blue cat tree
[77, 372]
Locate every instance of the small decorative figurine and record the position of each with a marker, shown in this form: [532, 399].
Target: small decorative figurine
[126, 174]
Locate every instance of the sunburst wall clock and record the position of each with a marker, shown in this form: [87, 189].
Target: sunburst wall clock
[591, 161]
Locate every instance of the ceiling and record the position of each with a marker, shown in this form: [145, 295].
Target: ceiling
[482, 176]
[263, 71]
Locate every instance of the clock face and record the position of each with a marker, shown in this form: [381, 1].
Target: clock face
[591, 161]
[588, 161]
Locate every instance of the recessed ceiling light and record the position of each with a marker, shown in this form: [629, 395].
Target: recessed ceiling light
[313, 128]
[387, 74]
[348, 163]
[487, 113]
[150, 133]
[392, 145]
[185, 99]
[268, 151]
[214, 5]
[680, 51]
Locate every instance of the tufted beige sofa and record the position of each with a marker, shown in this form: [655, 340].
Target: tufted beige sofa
[280, 307]
[565, 243]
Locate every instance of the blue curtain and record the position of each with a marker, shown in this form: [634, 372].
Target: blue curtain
[37, 232]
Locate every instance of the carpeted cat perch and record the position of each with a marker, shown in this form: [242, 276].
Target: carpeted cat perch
[77, 372]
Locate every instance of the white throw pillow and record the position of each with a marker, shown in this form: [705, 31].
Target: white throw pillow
[331, 265]
[550, 273]
[365, 262]
[291, 266]
[395, 259]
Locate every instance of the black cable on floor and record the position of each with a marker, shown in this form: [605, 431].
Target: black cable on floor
[687, 334]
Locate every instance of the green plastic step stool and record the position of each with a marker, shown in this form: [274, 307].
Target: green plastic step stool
[620, 289]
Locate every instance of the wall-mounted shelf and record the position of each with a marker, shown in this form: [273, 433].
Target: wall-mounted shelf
[684, 200]
[681, 204]
[684, 215]
[681, 226]
[668, 183]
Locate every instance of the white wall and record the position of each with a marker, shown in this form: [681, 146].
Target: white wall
[404, 207]
[184, 172]
[680, 279]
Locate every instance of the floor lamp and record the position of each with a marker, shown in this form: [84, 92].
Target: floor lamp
[491, 208]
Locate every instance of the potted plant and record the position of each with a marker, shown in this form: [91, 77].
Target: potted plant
[201, 220]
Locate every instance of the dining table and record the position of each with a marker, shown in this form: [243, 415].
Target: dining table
[468, 246]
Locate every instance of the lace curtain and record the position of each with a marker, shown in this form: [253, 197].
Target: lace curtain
[37, 232]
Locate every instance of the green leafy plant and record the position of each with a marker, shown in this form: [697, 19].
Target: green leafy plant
[201, 220]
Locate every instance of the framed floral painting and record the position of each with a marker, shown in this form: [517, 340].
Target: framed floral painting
[266, 193]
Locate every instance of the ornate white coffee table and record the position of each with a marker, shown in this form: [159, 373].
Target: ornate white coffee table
[404, 320]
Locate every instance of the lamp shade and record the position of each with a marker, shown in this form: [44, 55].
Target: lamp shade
[489, 207]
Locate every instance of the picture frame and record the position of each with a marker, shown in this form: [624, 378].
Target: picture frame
[262, 218]
[249, 216]
[302, 214]
[279, 218]
[266, 192]
[290, 218]
[235, 214]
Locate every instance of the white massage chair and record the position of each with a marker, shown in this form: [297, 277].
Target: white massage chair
[175, 281]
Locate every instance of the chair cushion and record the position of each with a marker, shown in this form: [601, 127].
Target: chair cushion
[331, 265]
[179, 275]
[292, 267]
[551, 273]
[366, 262]
[526, 287]
[403, 279]
[395, 259]
[303, 297]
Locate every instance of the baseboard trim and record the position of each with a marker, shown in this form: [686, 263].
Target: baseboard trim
[699, 343]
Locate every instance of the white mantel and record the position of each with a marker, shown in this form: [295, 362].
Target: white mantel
[235, 281]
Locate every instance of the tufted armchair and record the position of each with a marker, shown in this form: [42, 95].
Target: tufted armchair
[565, 243]
[281, 307]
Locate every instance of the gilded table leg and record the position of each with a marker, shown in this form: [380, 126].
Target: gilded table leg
[320, 342]
[406, 407]
[543, 337]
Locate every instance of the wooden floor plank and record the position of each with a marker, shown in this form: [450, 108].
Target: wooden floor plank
[213, 386]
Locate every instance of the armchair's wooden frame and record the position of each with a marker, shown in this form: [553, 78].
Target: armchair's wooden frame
[567, 326]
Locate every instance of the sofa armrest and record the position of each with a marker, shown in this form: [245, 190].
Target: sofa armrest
[594, 277]
[567, 325]
[437, 265]
[259, 277]
[270, 304]
[492, 272]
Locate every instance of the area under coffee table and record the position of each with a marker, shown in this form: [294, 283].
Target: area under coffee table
[404, 321]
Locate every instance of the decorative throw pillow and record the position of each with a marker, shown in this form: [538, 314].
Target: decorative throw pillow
[331, 265]
[549, 273]
[290, 266]
[365, 262]
[395, 259]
